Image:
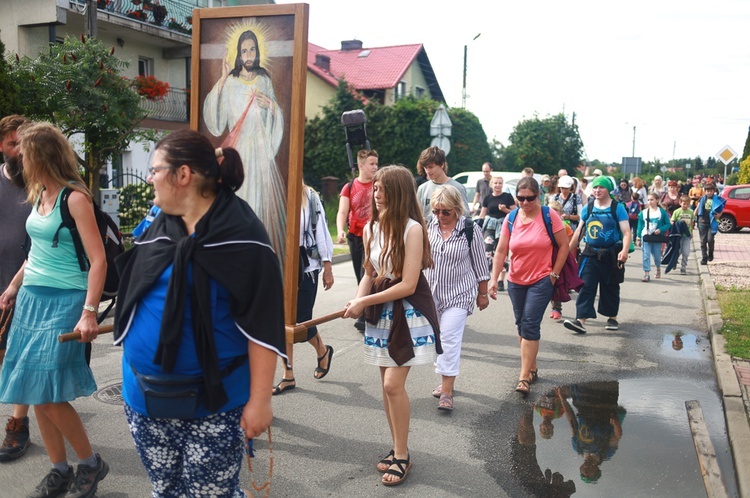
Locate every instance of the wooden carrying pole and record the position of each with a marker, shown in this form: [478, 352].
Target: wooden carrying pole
[74, 336]
[298, 333]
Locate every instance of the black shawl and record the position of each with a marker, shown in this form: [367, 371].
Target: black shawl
[231, 246]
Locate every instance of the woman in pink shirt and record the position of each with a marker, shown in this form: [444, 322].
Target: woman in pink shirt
[532, 275]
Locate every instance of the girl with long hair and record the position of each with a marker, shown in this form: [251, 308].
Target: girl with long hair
[53, 296]
[401, 322]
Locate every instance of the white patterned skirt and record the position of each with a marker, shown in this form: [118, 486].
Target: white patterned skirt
[422, 338]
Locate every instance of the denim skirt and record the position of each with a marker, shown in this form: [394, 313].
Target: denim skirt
[38, 369]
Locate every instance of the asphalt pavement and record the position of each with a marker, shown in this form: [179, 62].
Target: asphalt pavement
[328, 434]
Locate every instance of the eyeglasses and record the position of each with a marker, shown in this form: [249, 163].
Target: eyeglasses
[522, 198]
[152, 171]
[444, 212]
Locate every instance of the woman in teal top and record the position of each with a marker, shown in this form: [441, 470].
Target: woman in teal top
[53, 296]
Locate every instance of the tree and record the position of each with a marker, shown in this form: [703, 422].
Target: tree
[744, 175]
[76, 86]
[545, 145]
[746, 151]
[10, 103]
[399, 133]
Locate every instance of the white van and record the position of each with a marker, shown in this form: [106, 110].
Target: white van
[469, 180]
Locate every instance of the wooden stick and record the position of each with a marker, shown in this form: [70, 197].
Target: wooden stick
[709, 466]
[298, 333]
[74, 336]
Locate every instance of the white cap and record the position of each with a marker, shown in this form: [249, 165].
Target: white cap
[565, 181]
[597, 172]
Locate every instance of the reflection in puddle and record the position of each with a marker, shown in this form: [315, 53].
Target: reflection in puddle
[688, 346]
[577, 439]
[594, 420]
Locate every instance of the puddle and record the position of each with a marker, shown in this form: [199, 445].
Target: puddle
[611, 438]
[688, 346]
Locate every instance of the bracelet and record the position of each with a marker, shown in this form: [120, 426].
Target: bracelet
[557, 277]
[483, 295]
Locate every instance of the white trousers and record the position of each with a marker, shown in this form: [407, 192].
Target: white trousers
[452, 324]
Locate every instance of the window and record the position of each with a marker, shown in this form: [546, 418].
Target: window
[419, 92]
[145, 66]
[400, 90]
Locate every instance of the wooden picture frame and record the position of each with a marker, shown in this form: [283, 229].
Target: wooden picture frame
[268, 131]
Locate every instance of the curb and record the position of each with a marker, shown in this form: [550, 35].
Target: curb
[735, 415]
[340, 258]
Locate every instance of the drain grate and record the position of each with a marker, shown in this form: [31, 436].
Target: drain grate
[112, 395]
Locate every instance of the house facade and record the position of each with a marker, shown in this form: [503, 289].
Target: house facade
[382, 74]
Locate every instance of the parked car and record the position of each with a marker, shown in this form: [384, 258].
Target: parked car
[736, 214]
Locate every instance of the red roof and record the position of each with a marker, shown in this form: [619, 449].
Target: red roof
[373, 68]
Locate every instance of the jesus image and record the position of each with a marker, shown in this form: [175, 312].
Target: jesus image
[243, 102]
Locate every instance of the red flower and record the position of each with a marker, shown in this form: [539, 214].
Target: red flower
[150, 87]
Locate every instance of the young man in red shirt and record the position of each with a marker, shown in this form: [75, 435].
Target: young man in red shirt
[354, 209]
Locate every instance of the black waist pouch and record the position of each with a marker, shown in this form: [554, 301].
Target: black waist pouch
[176, 396]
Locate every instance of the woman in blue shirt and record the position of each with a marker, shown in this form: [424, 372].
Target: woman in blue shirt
[205, 276]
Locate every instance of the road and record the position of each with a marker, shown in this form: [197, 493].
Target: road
[328, 434]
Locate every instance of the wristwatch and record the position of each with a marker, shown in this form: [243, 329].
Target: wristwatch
[557, 277]
[91, 308]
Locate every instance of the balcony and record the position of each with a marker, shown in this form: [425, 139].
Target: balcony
[173, 15]
[173, 107]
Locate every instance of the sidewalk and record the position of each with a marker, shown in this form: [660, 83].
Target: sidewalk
[732, 252]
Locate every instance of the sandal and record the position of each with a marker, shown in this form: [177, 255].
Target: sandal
[278, 389]
[523, 387]
[658, 273]
[385, 463]
[437, 391]
[534, 375]
[401, 473]
[446, 402]
[320, 370]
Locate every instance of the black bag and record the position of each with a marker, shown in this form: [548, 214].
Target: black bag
[652, 237]
[170, 396]
[113, 246]
[176, 396]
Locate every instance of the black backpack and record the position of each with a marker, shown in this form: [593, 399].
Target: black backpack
[111, 238]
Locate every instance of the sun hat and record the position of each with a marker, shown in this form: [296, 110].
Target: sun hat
[565, 181]
[597, 172]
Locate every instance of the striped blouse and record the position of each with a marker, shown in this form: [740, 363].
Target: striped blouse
[456, 274]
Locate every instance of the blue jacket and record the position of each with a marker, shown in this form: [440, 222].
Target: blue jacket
[717, 206]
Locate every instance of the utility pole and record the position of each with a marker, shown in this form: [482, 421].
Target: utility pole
[91, 12]
[633, 153]
[463, 90]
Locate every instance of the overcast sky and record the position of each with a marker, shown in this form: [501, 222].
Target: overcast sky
[677, 70]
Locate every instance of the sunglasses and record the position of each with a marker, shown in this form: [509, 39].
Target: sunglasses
[522, 198]
[444, 212]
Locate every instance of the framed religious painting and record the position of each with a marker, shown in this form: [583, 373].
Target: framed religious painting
[249, 68]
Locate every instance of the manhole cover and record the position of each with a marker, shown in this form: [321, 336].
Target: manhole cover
[112, 395]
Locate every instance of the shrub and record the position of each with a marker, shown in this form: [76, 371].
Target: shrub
[135, 201]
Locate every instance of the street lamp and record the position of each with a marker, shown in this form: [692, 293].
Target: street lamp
[463, 92]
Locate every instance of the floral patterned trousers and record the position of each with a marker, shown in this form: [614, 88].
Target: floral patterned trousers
[199, 457]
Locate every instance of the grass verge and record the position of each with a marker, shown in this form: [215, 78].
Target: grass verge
[735, 312]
